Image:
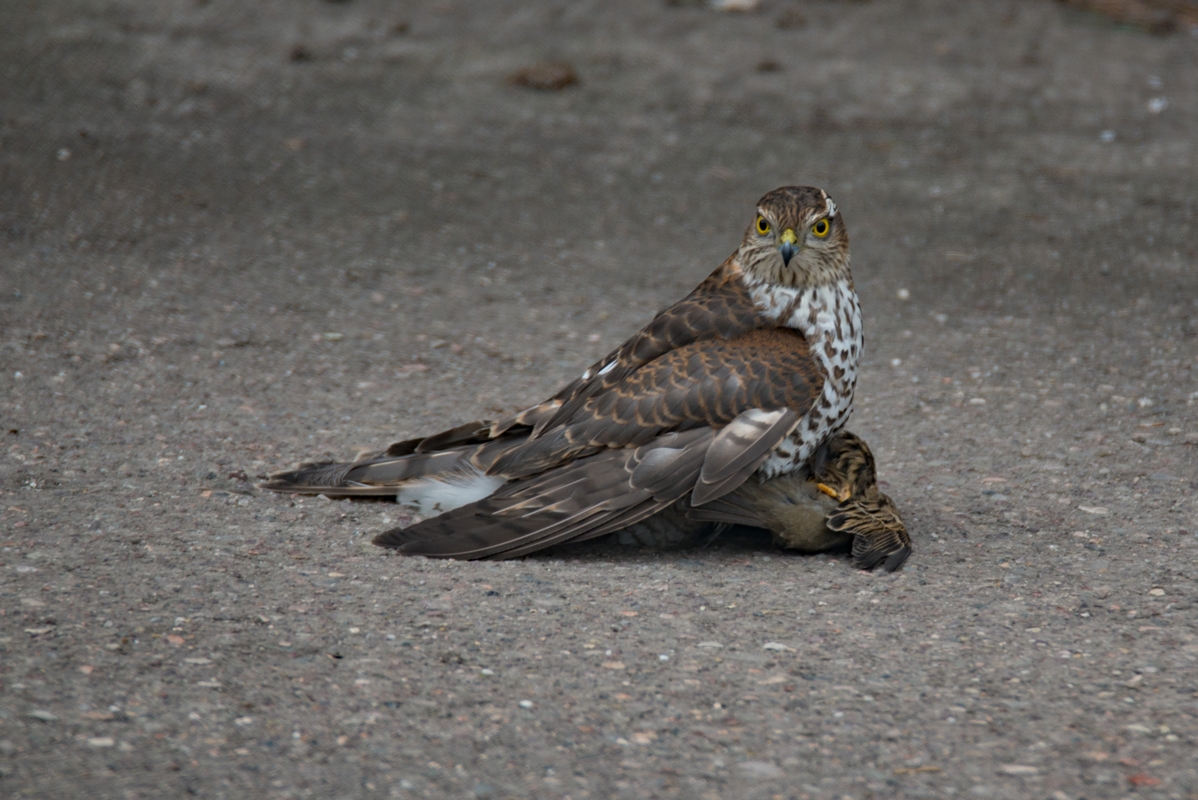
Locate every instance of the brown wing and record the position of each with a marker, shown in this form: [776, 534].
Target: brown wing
[698, 420]
[719, 308]
[659, 380]
[589, 497]
[752, 389]
[768, 375]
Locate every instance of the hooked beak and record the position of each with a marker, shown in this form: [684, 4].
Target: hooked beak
[787, 248]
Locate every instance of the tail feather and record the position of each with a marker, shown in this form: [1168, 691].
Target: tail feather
[380, 475]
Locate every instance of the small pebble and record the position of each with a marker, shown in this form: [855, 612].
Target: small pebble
[791, 20]
[525, 704]
[546, 76]
[1018, 769]
[739, 6]
[763, 770]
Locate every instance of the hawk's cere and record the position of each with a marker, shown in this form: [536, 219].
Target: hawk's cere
[743, 378]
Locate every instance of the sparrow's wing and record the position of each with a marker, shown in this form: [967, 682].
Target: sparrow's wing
[880, 537]
[760, 504]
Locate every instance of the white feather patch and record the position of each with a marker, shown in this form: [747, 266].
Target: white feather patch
[448, 491]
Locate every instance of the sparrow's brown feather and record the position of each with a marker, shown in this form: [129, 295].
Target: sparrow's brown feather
[879, 536]
[798, 510]
[865, 512]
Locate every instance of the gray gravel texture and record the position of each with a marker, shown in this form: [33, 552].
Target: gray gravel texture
[237, 235]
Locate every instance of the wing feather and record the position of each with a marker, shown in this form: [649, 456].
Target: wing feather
[880, 537]
[580, 500]
[739, 449]
[719, 308]
[703, 384]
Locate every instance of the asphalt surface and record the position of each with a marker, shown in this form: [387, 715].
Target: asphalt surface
[238, 235]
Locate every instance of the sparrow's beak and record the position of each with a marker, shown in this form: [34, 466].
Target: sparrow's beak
[787, 248]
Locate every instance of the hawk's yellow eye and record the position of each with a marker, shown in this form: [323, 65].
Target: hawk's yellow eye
[763, 227]
[821, 228]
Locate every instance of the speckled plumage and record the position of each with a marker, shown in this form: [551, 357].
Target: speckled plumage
[745, 376]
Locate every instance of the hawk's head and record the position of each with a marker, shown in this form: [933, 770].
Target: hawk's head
[797, 239]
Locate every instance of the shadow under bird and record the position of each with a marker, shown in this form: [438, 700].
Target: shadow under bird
[713, 405]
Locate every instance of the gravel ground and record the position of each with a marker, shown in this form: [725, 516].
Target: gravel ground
[236, 235]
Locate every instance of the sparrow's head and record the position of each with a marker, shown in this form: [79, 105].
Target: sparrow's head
[850, 465]
[797, 239]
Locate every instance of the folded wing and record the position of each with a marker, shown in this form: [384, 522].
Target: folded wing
[698, 420]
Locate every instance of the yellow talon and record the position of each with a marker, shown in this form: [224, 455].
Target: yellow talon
[841, 496]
